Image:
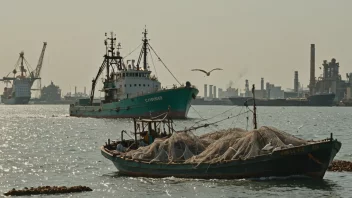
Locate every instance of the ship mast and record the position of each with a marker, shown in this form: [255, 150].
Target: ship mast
[22, 66]
[112, 60]
[145, 44]
[144, 51]
[254, 109]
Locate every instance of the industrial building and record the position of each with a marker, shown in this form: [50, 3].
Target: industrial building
[50, 93]
[330, 81]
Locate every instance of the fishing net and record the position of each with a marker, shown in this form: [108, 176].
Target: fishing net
[224, 145]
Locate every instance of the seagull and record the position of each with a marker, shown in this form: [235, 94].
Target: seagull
[207, 73]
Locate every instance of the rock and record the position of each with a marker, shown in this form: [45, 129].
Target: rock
[340, 165]
[47, 190]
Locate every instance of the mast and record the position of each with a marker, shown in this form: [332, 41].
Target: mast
[22, 66]
[109, 52]
[254, 109]
[144, 51]
[112, 59]
[145, 44]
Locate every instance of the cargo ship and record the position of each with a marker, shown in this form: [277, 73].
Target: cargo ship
[216, 101]
[20, 91]
[323, 99]
[131, 91]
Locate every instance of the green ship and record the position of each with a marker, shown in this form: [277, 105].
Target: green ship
[131, 91]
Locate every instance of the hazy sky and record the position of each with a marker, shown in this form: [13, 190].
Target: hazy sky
[263, 38]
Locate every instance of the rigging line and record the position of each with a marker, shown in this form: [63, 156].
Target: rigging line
[28, 65]
[237, 117]
[219, 114]
[133, 50]
[151, 57]
[16, 65]
[206, 125]
[200, 116]
[164, 64]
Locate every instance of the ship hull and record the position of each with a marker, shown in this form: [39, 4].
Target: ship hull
[145, 106]
[315, 100]
[14, 101]
[201, 101]
[310, 161]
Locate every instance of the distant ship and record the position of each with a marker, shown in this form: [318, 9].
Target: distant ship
[131, 91]
[20, 92]
[216, 101]
[323, 99]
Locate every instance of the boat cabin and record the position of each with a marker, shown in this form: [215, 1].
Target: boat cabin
[145, 132]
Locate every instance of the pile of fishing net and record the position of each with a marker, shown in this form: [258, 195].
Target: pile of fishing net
[231, 144]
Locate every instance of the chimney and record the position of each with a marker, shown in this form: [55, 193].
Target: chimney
[75, 90]
[214, 96]
[246, 85]
[312, 69]
[205, 90]
[295, 82]
[210, 91]
[262, 84]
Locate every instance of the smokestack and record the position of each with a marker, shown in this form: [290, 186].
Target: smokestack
[205, 90]
[246, 85]
[295, 82]
[312, 69]
[84, 90]
[75, 90]
[210, 91]
[214, 92]
[262, 84]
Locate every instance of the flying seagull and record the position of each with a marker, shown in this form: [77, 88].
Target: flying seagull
[207, 73]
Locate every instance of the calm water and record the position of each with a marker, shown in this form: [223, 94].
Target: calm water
[42, 145]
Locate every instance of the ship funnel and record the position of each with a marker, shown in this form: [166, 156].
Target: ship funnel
[295, 82]
[214, 94]
[210, 91]
[312, 69]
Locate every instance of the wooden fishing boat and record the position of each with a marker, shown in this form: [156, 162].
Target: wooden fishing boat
[311, 160]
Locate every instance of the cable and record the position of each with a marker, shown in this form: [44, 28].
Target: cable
[163, 64]
[219, 114]
[206, 125]
[151, 57]
[133, 50]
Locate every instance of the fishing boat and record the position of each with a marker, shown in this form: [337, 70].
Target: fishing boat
[139, 156]
[132, 91]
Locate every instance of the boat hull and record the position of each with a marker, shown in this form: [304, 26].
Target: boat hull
[315, 100]
[178, 99]
[310, 160]
[14, 101]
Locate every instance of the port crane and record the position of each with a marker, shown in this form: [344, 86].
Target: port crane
[36, 73]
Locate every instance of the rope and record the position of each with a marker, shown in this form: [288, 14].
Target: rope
[237, 117]
[151, 57]
[133, 50]
[213, 123]
[16, 65]
[219, 114]
[164, 64]
[200, 117]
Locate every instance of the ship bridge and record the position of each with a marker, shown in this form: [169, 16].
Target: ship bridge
[131, 83]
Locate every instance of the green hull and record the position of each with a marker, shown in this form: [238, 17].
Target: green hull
[178, 99]
[310, 160]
